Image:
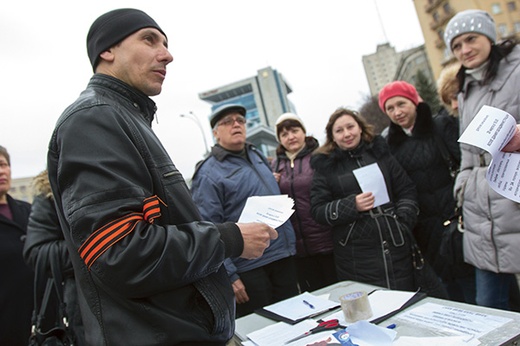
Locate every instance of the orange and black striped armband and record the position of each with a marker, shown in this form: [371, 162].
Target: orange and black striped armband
[108, 235]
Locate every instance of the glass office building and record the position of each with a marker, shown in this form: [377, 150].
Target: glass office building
[265, 98]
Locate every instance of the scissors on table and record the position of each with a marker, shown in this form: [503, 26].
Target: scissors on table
[321, 327]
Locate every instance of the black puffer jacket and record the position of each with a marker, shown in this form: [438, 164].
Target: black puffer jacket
[371, 247]
[311, 237]
[421, 158]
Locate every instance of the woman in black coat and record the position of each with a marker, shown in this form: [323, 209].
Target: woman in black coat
[16, 278]
[427, 149]
[371, 244]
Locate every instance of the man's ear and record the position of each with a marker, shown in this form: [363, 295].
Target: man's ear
[107, 55]
[215, 134]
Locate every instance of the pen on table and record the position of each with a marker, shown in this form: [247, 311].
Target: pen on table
[308, 304]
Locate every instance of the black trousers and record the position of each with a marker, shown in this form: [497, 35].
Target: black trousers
[315, 272]
[268, 284]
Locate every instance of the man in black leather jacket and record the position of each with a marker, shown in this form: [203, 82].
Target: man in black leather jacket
[149, 271]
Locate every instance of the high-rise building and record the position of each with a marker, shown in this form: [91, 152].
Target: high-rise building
[387, 65]
[265, 98]
[412, 61]
[380, 67]
[434, 15]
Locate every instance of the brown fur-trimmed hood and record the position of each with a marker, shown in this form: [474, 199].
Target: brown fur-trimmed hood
[41, 185]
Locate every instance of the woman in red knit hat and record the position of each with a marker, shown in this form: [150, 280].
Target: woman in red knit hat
[428, 150]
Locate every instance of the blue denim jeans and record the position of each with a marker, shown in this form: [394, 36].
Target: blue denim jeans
[493, 289]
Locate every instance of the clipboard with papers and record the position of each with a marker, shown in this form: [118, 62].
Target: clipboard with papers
[298, 308]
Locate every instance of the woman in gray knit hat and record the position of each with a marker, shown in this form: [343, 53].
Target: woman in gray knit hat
[489, 75]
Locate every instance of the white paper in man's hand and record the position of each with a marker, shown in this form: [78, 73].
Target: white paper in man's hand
[370, 179]
[271, 210]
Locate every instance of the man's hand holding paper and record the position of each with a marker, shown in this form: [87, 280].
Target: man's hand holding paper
[272, 210]
[257, 237]
[259, 218]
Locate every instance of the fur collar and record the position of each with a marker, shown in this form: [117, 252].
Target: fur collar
[41, 185]
[423, 126]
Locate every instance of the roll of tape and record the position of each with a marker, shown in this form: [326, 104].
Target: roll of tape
[356, 306]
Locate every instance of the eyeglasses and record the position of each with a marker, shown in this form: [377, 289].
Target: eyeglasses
[230, 121]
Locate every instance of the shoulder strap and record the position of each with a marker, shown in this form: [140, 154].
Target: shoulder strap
[40, 281]
[51, 283]
[448, 159]
[58, 285]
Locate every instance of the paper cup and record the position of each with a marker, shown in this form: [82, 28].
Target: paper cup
[355, 306]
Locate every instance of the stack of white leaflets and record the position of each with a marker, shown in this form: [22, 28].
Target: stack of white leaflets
[272, 210]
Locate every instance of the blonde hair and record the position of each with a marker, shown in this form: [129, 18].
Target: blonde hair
[448, 85]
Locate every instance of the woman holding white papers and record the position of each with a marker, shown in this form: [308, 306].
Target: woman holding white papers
[292, 169]
[371, 242]
[490, 75]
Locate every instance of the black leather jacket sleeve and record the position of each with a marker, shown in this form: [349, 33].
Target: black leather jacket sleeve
[44, 234]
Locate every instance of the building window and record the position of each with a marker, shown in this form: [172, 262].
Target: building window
[511, 6]
[495, 8]
[447, 8]
[502, 29]
[435, 16]
[517, 26]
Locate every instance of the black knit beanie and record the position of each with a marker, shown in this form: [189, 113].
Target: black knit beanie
[113, 27]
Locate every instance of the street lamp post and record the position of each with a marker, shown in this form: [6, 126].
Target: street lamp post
[193, 117]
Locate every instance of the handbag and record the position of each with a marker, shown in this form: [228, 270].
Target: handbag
[450, 248]
[451, 163]
[425, 278]
[59, 334]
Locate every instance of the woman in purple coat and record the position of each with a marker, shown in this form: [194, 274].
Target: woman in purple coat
[292, 170]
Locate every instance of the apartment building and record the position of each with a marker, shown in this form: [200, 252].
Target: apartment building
[434, 15]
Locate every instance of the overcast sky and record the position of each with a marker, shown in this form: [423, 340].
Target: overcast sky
[316, 45]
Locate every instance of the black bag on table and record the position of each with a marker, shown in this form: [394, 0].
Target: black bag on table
[55, 330]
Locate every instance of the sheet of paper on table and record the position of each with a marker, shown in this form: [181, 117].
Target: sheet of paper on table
[362, 333]
[454, 320]
[272, 210]
[301, 306]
